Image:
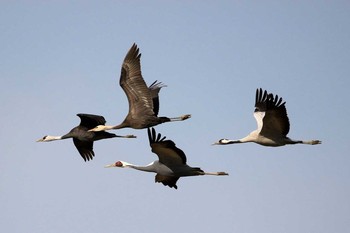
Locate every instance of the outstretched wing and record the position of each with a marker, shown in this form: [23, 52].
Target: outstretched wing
[85, 149]
[167, 180]
[135, 88]
[270, 114]
[166, 150]
[91, 121]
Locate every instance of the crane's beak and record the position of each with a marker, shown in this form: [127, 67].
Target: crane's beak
[110, 165]
[215, 143]
[40, 140]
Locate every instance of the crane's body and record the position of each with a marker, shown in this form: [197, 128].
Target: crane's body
[272, 121]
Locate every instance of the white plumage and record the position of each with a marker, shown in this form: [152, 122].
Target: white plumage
[272, 121]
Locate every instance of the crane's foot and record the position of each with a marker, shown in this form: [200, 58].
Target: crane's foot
[129, 136]
[185, 117]
[315, 142]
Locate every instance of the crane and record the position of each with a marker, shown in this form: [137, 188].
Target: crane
[273, 123]
[143, 100]
[82, 138]
[171, 164]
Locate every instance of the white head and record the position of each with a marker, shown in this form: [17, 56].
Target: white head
[223, 141]
[48, 138]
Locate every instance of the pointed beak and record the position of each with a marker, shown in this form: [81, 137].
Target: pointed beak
[40, 140]
[110, 165]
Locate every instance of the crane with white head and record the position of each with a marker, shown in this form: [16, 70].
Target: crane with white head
[273, 123]
[82, 138]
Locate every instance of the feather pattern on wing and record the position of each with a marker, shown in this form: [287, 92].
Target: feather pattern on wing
[154, 90]
[134, 86]
[273, 113]
[85, 149]
[166, 150]
[91, 121]
[167, 180]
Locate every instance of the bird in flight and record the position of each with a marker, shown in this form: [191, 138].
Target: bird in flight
[273, 123]
[171, 164]
[82, 138]
[143, 100]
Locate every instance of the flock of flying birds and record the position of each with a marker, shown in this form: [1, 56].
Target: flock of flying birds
[270, 114]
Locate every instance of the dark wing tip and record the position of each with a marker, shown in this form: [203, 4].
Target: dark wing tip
[87, 155]
[167, 180]
[91, 120]
[134, 52]
[265, 100]
[85, 149]
[154, 137]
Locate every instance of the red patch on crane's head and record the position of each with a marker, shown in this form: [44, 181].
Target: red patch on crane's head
[118, 164]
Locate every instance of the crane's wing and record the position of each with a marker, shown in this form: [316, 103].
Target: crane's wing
[91, 121]
[154, 90]
[166, 150]
[85, 149]
[135, 88]
[167, 180]
[270, 114]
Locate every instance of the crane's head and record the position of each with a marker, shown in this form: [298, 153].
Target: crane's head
[48, 138]
[121, 164]
[223, 141]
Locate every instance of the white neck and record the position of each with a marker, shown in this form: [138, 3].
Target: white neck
[108, 127]
[250, 138]
[101, 128]
[51, 138]
[148, 168]
[155, 167]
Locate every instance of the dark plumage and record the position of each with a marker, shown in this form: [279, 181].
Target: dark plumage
[143, 100]
[82, 138]
[276, 119]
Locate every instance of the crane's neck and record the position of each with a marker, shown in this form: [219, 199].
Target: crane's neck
[106, 127]
[148, 168]
[155, 167]
[124, 124]
[109, 127]
[49, 138]
[250, 138]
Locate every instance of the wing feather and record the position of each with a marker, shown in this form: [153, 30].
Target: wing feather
[154, 90]
[167, 180]
[166, 150]
[134, 86]
[85, 149]
[271, 114]
[91, 121]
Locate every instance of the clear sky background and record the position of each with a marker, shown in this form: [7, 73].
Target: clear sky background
[60, 58]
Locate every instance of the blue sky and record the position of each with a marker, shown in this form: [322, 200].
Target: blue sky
[60, 58]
